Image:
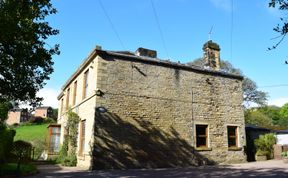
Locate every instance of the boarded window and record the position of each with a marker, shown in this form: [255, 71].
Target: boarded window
[74, 93]
[202, 136]
[85, 84]
[82, 137]
[232, 136]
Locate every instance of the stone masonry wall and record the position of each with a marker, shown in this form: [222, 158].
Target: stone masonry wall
[151, 112]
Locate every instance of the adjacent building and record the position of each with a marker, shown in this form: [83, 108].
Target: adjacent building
[17, 116]
[140, 111]
[43, 111]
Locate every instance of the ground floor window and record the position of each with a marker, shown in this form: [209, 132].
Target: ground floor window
[232, 134]
[202, 136]
[82, 137]
[54, 138]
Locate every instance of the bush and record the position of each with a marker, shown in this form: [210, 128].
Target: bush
[284, 154]
[70, 160]
[264, 144]
[6, 142]
[22, 150]
[36, 120]
[39, 146]
[10, 170]
[49, 120]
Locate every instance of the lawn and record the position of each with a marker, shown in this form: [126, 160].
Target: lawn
[35, 134]
[31, 132]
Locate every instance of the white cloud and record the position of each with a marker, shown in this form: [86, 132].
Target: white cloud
[50, 97]
[222, 4]
[278, 102]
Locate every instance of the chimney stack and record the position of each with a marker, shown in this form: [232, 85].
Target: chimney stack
[146, 52]
[212, 55]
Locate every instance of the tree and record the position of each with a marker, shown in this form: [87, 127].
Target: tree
[257, 118]
[250, 92]
[4, 108]
[55, 114]
[284, 111]
[25, 56]
[282, 28]
[272, 112]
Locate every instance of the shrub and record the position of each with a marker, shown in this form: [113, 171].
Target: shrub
[284, 154]
[49, 120]
[36, 120]
[39, 146]
[10, 170]
[70, 160]
[22, 150]
[6, 142]
[264, 144]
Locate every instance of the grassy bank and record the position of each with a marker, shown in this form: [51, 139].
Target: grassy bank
[35, 134]
[31, 132]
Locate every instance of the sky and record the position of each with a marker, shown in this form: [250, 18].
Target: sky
[177, 29]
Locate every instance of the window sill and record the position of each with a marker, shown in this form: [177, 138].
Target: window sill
[203, 149]
[234, 148]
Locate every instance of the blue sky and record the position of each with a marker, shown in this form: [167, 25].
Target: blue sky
[243, 29]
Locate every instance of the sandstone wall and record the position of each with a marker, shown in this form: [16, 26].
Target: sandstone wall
[152, 111]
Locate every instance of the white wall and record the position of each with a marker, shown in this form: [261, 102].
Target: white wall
[282, 139]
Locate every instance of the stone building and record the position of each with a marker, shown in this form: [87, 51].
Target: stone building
[139, 111]
[17, 116]
[43, 111]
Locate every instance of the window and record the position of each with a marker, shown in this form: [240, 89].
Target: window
[67, 99]
[62, 101]
[82, 137]
[232, 136]
[85, 84]
[202, 136]
[74, 93]
[54, 134]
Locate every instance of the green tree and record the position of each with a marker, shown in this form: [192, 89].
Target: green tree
[55, 114]
[273, 112]
[25, 56]
[257, 118]
[284, 111]
[251, 94]
[4, 108]
[281, 28]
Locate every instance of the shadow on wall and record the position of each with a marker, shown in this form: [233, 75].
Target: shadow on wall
[120, 144]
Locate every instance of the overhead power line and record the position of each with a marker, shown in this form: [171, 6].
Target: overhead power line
[159, 28]
[111, 24]
[274, 86]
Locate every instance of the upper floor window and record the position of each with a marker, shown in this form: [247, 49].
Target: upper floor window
[62, 103]
[85, 84]
[74, 92]
[67, 98]
[232, 134]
